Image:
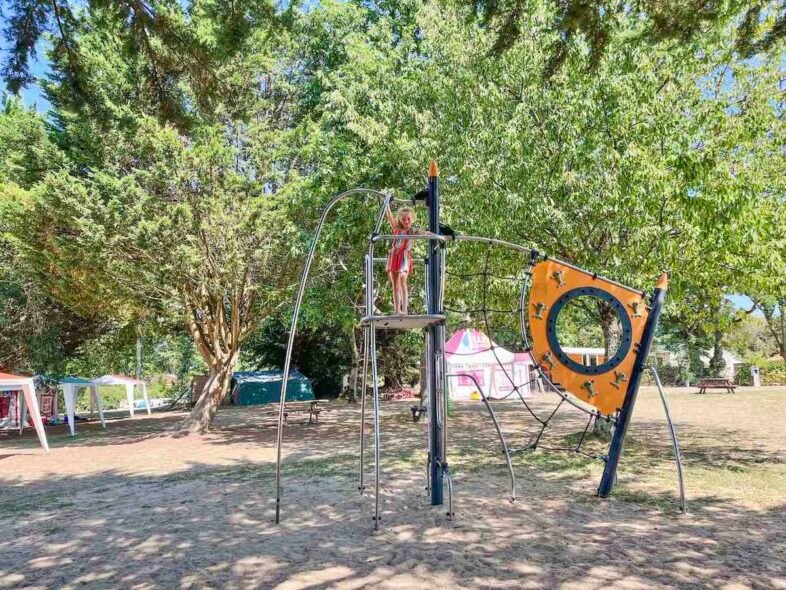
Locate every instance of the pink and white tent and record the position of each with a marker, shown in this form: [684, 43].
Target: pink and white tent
[496, 369]
[129, 383]
[27, 387]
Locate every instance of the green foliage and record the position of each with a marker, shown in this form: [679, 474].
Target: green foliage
[771, 372]
[178, 59]
[655, 162]
[180, 229]
[36, 332]
[27, 152]
[670, 376]
[399, 357]
[666, 157]
[589, 27]
[320, 353]
[750, 340]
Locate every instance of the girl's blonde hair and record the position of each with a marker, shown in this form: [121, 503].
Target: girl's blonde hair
[409, 210]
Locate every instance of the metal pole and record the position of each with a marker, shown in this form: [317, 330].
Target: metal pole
[296, 312]
[375, 383]
[626, 412]
[505, 448]
[138, 357]
[436, 343]
[425, 387]
[674, 442]
[362, 485]
[442, 382]
[366, 343]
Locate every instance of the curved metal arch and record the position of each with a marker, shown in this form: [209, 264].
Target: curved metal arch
[497, 427]
[496, 242]
[386, 199]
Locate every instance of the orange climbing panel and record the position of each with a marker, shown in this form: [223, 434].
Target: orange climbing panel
[554, 285]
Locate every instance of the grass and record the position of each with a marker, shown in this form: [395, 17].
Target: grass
[727, 454]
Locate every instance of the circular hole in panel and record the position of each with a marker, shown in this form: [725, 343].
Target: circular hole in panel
[589, 330]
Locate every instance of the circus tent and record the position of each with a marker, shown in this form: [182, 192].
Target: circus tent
[498, 371]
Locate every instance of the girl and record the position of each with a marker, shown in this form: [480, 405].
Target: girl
[400, 256]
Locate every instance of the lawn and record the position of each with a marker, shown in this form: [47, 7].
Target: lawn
[142, 506]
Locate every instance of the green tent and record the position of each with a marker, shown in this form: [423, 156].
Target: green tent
[264, 387]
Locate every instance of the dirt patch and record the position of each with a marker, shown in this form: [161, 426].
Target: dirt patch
[140, 506]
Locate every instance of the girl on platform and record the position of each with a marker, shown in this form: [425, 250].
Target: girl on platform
[399, 264]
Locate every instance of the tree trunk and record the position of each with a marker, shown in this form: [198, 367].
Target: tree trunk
[610, 326]
[717, 364]
[780, 334]
[211, 396]
[392, 382]
[776, 322]
[423, 376]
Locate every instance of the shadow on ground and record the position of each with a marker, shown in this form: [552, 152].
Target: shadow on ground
[212, 525]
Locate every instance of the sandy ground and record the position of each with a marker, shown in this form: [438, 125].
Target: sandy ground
[142, 507]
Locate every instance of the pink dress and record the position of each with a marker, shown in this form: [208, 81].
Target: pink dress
[400, 255]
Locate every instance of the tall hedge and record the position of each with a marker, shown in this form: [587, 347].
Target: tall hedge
[772, 373]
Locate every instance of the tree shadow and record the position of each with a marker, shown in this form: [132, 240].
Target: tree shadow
[213, 526]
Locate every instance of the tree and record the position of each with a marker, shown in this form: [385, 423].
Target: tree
[658, 160]
[774, 310]
[176, 51]
[665, 157]
[37, 333]
[756, 27]
[176, 228]
[750, 340]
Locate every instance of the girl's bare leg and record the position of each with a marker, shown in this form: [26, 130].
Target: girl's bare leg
[394, 286]
[400, 309]
[404, 294]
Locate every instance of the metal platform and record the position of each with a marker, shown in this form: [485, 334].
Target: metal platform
[403, 322]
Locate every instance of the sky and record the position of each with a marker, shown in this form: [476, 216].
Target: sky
[32, 95]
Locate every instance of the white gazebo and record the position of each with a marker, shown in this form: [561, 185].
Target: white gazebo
[129, 383]
[70, 387]
[29, 400]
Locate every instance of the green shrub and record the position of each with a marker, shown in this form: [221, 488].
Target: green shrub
[772, 373]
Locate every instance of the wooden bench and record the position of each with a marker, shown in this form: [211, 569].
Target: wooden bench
[716, 383]
[313, 408]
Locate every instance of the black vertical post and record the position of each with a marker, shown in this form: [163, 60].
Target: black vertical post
[626, 412]
[435, 338]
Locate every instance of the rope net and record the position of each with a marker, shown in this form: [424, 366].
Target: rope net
[480, 298]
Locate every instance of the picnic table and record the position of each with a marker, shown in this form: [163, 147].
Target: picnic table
[313, 408]
[716, 383]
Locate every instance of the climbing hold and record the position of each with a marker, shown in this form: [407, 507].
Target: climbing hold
[548, 359]
[590, 387]
[539, 309]
[636, 307]
[619, 379]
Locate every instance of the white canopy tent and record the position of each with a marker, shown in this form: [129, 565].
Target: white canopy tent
[70, 387]
[129, 383]
[10, 382]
